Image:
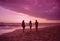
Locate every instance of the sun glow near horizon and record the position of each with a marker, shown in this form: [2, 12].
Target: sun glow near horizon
[15, 17]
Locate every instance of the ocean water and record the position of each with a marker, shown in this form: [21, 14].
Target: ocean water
[7, 29]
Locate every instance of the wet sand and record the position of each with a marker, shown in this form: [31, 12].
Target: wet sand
[43, 34]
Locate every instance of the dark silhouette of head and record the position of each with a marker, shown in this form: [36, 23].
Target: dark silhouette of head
[30, 20]
[23, 21]
[36, 20]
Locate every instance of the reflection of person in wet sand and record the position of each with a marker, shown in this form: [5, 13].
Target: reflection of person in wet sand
[23, 25]
[30, 24]
[36, 25]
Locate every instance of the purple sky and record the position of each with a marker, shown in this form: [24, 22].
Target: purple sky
[48, 9]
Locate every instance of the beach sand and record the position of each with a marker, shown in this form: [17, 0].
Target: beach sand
[43, 34]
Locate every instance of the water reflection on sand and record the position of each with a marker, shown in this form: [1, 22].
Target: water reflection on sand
[6, 29]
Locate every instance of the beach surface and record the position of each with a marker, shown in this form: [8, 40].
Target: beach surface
[43, 34]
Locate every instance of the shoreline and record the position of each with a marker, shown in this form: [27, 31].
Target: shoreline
[44, 34]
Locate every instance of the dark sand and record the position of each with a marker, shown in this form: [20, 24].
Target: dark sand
[44, 34]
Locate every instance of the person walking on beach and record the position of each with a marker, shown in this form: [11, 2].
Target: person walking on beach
[23, 25]
[30, 24]
[36, 25]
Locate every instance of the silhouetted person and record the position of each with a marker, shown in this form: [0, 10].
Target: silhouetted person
[23, 25]
[30, 24]
[36, 25]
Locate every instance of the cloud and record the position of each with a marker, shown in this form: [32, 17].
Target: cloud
[48, 9]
